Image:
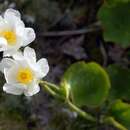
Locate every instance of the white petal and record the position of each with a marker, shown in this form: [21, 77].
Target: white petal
[18, 55]
[32, 89]
[19, 30]
[3, 24]
[13, 18]
[30, 55]
[18, 24]
[3, 44]
[29, 36]
[11, 74]
[6, 63]
[16, 89]
[42, 68]
[12, 50]
[12, 12]
[9, 52]
[22, 63]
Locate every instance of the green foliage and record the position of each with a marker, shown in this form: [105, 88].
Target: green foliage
[120, 82]
[88, 84]
[12, 113]
[115, 19]
[115, 2]
[121, 112]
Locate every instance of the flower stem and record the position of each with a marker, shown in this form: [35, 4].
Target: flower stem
[56, 92]
[112, 121]
[51, 91]
[53, 86]
[81, 112]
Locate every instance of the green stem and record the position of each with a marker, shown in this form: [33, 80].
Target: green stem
[81, 112]
[51, 91]
[53, 86]
[112, 121]
[56, 92]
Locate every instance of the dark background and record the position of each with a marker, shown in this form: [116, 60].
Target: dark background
[41, 112]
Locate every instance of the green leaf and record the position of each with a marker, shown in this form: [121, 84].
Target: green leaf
[115, 2]
[88, 84]
[120, 82]
[116, 21]
[121, 112]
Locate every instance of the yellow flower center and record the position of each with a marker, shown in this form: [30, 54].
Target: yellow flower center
[24, 75]
[10, 36]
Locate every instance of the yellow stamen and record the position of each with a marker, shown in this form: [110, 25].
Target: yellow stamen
[24, 75]
[10, 36]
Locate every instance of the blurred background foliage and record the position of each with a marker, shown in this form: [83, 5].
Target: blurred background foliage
[41, 112]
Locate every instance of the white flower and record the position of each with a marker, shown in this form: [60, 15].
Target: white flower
[13, 33]
[23, 73]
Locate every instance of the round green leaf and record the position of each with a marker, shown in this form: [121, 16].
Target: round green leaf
[120, 82]
[88, 84]
[121, 112]
[115, 20]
